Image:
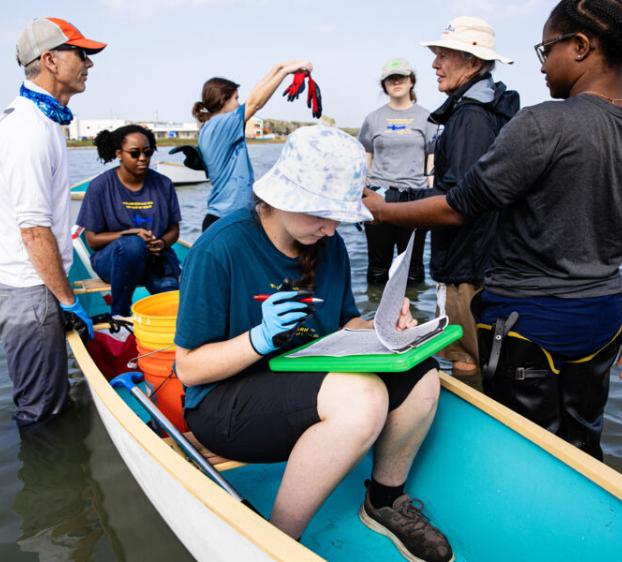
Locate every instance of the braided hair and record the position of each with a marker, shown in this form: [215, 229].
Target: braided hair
[308, 255]
[595, 18]
[108, 142]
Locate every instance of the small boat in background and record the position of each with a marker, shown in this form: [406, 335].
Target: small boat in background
[177, 173]
[180, 174]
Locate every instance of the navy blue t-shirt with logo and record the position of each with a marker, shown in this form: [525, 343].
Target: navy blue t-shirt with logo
[109, 206]
[233, 260]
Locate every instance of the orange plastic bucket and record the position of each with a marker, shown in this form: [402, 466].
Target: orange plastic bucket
[169, 392]
[154, 319]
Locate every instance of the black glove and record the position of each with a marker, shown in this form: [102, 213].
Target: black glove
[193, 158]
[314, 98]
[282, 338]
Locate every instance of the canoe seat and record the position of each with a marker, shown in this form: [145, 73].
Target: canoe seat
[94, 285]
[220, 463]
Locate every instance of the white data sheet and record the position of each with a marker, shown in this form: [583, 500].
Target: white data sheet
[384, 338]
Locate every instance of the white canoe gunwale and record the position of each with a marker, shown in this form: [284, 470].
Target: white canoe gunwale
[251, 533]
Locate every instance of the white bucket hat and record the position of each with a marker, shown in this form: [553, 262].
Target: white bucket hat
[321, 172]
[470, 35]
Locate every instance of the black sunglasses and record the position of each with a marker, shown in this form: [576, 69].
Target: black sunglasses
[541, 48]
[136, 152]
[79, 50]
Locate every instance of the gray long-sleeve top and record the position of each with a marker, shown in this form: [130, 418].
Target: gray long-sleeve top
[555, 172]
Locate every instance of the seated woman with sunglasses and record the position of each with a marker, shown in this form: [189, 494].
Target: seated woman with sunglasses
[131, 216]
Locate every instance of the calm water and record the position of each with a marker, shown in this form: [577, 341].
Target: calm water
[65, 494]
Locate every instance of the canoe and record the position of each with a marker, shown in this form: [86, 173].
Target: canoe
[79, 188]
[177, 173]
[499, 486]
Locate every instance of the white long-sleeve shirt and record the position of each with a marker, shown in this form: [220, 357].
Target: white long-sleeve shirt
[34, 187]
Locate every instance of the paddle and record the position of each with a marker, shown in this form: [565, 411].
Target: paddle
[129, 381]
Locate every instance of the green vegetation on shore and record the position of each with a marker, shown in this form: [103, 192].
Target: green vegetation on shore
[280, 128]
[88, 143]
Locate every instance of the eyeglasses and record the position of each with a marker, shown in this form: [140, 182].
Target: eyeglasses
[136, 152]
[542, 49]
[79, 50]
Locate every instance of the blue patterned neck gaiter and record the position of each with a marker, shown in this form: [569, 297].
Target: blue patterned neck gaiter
[48, 105]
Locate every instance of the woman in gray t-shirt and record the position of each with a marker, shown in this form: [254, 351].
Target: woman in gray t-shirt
[396, 137]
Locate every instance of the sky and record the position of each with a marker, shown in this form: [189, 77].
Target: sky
[160, 52]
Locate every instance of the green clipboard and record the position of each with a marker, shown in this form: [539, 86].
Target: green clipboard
[392, 363]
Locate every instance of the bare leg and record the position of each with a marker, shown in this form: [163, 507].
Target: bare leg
[353, 411]
[405, 430]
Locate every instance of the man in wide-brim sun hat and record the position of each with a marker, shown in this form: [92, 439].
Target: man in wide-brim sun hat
[473, 114]
[320, 423]
[550, 314]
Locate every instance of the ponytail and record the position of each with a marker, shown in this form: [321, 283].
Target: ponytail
[215, 94]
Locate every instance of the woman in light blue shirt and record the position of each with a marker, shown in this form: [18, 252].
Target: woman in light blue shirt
[222, 142]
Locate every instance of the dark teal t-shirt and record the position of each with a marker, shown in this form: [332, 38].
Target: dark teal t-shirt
[234, 260]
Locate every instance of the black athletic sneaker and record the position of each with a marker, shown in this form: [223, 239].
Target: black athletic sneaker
[409, 529]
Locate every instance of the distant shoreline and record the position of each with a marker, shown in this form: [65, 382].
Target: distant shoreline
[85, 144]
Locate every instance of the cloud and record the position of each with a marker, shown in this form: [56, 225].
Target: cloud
[500, 10]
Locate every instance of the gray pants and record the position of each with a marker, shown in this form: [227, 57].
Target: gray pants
[32, 331]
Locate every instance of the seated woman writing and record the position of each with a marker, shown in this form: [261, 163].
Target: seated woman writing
[322, 424]
[131, 216]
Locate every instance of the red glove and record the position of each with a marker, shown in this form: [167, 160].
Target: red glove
[314, 98]
[296, 87]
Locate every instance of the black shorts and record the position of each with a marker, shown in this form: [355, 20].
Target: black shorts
[259, 415]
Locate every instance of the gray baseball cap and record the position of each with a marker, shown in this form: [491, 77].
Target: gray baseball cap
[396, 66]
[45, 34]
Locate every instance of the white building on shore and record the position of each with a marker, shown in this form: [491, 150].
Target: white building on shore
[84, 129]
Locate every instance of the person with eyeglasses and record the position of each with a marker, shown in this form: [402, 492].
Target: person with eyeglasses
[550, 315]
[35, 223]
[131, 216]
[396, 137]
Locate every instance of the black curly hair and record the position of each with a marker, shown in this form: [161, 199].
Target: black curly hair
[596, 18]
[108, 142]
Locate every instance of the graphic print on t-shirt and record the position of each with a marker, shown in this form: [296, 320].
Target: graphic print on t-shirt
[399, 126]
[140, 218]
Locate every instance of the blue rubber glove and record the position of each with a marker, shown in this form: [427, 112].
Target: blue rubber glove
[281, 314]
[76, 308]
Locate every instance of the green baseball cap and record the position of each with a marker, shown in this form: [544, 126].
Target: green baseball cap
[396, 66]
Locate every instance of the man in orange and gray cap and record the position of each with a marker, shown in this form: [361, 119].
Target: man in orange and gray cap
[35, 223]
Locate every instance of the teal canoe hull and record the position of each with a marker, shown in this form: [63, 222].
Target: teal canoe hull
[499, 487]
[495, 494]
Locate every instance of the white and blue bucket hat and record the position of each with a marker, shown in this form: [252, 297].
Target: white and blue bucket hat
[321, 172]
